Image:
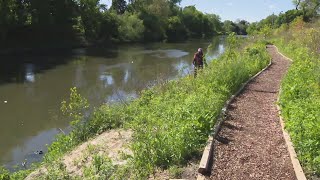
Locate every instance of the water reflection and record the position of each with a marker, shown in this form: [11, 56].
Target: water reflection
[107, 79]
[29, 77]
[121, 96]
[35, 86]
[169, 53]
[183, 68]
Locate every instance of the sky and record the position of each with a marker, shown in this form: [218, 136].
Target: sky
[250, 10]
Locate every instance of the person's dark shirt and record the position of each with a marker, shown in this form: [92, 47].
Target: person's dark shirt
[198, 59]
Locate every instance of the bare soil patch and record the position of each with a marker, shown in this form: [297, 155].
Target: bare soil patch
[111, 143]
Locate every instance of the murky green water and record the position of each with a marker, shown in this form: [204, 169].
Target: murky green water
[32, 87]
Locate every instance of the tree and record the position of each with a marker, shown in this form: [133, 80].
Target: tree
[242, 27]
[119, 6]
[35, 23]
[22, 11]
[155, 14]
[108, 27]
[91, 17]
[288, 17]
[176, 29]
[130, 28]
[7, 18]
[309, 8]
[41, 12]
[229, 27]
[175, 1]
[296, 3]
[216, 22]
[63, 13]
[193, 20]
[252, 28]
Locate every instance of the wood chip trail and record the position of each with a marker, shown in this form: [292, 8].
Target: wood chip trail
[250, 144]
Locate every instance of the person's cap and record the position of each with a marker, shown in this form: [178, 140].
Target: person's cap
[200, 50]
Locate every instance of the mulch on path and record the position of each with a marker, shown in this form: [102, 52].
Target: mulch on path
[251, 143]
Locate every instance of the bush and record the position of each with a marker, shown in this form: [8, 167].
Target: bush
[176, 30]
[130, 28]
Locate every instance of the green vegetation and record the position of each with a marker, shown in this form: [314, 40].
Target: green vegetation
[6, 175]
[239, 27]
[300, 97]
[171, 121]
[65, 24]
[306, 9]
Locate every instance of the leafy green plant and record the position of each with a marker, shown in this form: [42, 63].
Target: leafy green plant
[300, 95]
[76, 106]
[4, 174]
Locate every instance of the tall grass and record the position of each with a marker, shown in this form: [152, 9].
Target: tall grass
[300, 97]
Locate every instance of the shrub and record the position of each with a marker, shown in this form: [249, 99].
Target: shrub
[130, 28]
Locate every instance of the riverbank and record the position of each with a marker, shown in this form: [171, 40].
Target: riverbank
[171, 121]
[83, 159]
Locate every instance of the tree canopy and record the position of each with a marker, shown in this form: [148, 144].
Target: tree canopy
[39, 23]
[309, 8]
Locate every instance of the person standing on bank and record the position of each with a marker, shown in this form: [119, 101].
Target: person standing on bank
[198, 61]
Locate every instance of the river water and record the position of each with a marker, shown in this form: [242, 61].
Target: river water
[32, 87]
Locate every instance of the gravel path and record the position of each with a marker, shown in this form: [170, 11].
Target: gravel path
[251, 144]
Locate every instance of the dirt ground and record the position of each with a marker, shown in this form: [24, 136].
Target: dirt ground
[111, 143]
[250, 144]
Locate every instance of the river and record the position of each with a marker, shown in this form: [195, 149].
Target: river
[33, 86]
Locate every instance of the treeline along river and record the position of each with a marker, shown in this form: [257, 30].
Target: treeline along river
[33, 86]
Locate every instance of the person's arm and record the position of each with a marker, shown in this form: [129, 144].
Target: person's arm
[194, 59]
